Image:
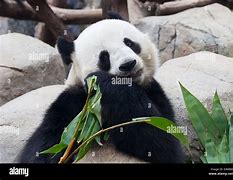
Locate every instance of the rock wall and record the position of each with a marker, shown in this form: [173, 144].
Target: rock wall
[207, 28]
[26, 64]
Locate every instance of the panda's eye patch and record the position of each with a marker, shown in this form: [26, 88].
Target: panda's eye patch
[132, 45]
[104, 61]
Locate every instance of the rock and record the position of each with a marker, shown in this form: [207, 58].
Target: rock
[20, 117]
[202, 74]
[27, 63]
[193, 30]
[107, 154]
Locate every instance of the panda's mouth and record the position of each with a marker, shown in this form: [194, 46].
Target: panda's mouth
[134, 74]
[137, 73]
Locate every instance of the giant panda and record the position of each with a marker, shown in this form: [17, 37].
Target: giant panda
[108, 49]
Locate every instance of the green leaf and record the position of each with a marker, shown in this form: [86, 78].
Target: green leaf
[211, 151]
[91, 81]
[219, 116]
[203, 159]
[83, 151]
[231, 137]
[69, 131]
[223, 149]
[167, 126]
[95, 130]
[98, 140]
[95, 106]
[200, 118]
[54, 149]
[88, 121]
[106, 136]
[91, 127]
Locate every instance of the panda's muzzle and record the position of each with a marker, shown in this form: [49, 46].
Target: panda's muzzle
[128, 66]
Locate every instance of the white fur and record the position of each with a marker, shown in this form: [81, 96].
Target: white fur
[108, 35]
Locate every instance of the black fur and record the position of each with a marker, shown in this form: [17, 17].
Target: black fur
[104, 61]
[132, 45]
[65, 48]
[120, 103]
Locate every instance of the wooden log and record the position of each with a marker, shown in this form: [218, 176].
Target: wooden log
[54, 24]
[42, 31]
[178, 6]
[12, 9]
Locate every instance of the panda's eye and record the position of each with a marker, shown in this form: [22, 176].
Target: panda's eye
[129, 43]
[132, 45]
[104, 61]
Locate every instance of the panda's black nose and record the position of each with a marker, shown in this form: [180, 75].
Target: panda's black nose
[128, 66]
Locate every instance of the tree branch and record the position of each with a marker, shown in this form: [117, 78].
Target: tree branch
[42, 31]
[12, 9]
[178, 6]
[45, 13]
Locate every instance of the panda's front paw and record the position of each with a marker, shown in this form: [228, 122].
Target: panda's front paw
[101, 75]
[103, 78]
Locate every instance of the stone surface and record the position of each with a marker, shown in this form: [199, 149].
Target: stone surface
[193, 30]
[202, 74]
[20, 117]
[27, 63]
[107, 154]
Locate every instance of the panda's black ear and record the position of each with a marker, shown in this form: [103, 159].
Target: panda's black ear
[65, 48]
[115, 15]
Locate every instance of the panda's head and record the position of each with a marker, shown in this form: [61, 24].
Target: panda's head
[111, 45]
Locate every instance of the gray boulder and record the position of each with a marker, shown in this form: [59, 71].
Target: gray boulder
[27, 63]
[202, 74]
[207, 28]
[20, 117]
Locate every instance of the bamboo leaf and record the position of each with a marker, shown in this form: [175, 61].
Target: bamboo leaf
[98, 140]
[105, 136]
[83, 151]
[165, 125]
[54, 149]
[203, 159]
[211, 151]
[69, 131]
[88, 124]
[223, 149]
[95, 106]
[200, 118]
[219, 116]
[91, 83]
[231, 137]
[93, 128]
